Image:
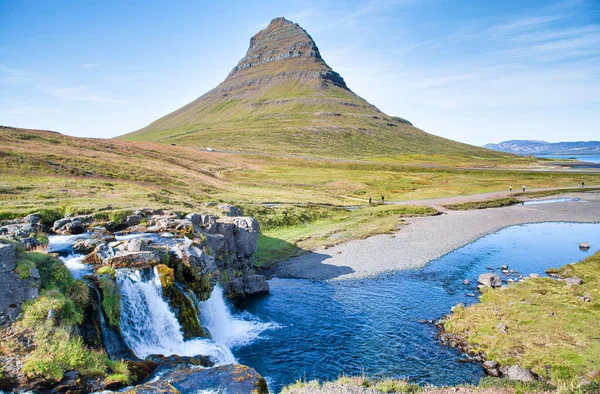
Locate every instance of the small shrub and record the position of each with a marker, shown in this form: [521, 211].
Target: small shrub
[49, 216]
[23, 267]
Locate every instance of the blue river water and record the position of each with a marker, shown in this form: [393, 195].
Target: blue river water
[586, 158]
[371, 326]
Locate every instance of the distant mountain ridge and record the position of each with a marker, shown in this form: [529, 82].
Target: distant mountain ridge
[532, 147]
[282, 97]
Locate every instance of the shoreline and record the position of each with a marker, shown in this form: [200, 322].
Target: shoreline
[423, 239]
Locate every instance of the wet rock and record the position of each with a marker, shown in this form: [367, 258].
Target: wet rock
[134, 259]
[133, 220]
[516, 372]
[233, 378]
[489, 280]
[255, 284]
[85, 246]
[466, 282]
[504, 267]
[136, 245]
[584, 245]
[175, 360]
[154, 387]
[574, 280]
[110, 226]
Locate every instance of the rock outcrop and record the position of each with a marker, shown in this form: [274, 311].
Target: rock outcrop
[14, 290]
[489, 280]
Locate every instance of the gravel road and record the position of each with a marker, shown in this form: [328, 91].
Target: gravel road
[426, 238]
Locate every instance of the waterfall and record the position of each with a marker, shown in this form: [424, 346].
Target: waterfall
[225, 328]
[150, 327]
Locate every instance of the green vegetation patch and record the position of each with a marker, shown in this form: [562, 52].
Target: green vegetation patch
[50, 324]
[111, 299]
[494, 203]
[552, 328]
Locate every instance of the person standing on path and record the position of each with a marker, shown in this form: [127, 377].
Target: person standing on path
[382, 199]
[370, 200]
[583, 185]
[523, 188]
[510, 188]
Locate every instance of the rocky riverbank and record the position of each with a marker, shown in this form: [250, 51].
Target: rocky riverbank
[423, 239]
[47, 315]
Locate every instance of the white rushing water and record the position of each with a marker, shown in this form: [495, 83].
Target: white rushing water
[74, 262]
[64, 243]
[149, 326]
[227, 329]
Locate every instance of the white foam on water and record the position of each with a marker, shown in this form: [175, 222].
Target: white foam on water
[226, 328]
[63, 243]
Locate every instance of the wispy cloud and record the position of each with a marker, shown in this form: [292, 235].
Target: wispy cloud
[82, 93]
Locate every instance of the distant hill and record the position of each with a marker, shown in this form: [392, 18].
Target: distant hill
[283, 98]
[530, 147]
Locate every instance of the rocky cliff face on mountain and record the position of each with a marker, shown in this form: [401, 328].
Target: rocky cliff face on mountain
[282, 97]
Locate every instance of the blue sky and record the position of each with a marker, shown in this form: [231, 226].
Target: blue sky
[475, 71]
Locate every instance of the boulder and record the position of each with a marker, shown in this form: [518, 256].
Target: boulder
[492, 368]
[489, 280]
[133, 220]
[133, 259]
[232, 378]
[136, 245]
[153, 387]
[466, 282]
[230, 210]
[195, 218]
[574, 280]
[584, 245]
[255, 284]
[194, 257]
[85, 246]
[516, 372]
[29, 243]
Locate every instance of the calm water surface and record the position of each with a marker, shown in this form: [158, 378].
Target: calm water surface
[372, 326]
[587, 158]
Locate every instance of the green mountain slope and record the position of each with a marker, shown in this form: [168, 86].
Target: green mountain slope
[283, 98]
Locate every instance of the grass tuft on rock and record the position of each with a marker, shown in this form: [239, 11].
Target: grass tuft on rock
[111, 300]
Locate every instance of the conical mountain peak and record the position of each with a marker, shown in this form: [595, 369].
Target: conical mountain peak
[283, 98]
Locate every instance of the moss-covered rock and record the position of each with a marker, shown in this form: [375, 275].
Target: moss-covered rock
[111, 299]
[180, 303]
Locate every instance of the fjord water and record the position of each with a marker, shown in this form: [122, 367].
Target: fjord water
[584, 158]
[372, 326]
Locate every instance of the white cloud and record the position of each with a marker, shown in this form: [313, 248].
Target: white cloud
[82, 93]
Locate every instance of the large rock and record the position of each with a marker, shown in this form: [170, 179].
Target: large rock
[575, 280]
[195, 258]
[231, 379]
[255, 284]
[230, 210]
[516, 372]
[69, 226]
[13, 290]
[133, 259]
[489, 280]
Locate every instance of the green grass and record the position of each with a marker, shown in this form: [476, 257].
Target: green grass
[51, 322]
[300, 229]
[549, 329]
[493, 203]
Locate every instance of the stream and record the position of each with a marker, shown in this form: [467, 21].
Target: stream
[322, 330]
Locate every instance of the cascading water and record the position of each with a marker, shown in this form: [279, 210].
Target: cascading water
[149, 326]
[224, 327]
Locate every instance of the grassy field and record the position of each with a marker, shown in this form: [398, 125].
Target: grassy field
[551, 328]
[46, 170]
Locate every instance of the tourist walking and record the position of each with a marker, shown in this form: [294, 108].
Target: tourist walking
[369, 200]
[582, 185]
[523, 188]
[510, 188]
[382, 199]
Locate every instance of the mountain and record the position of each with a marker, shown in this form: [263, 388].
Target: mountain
[529, 147]
[283, 98]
